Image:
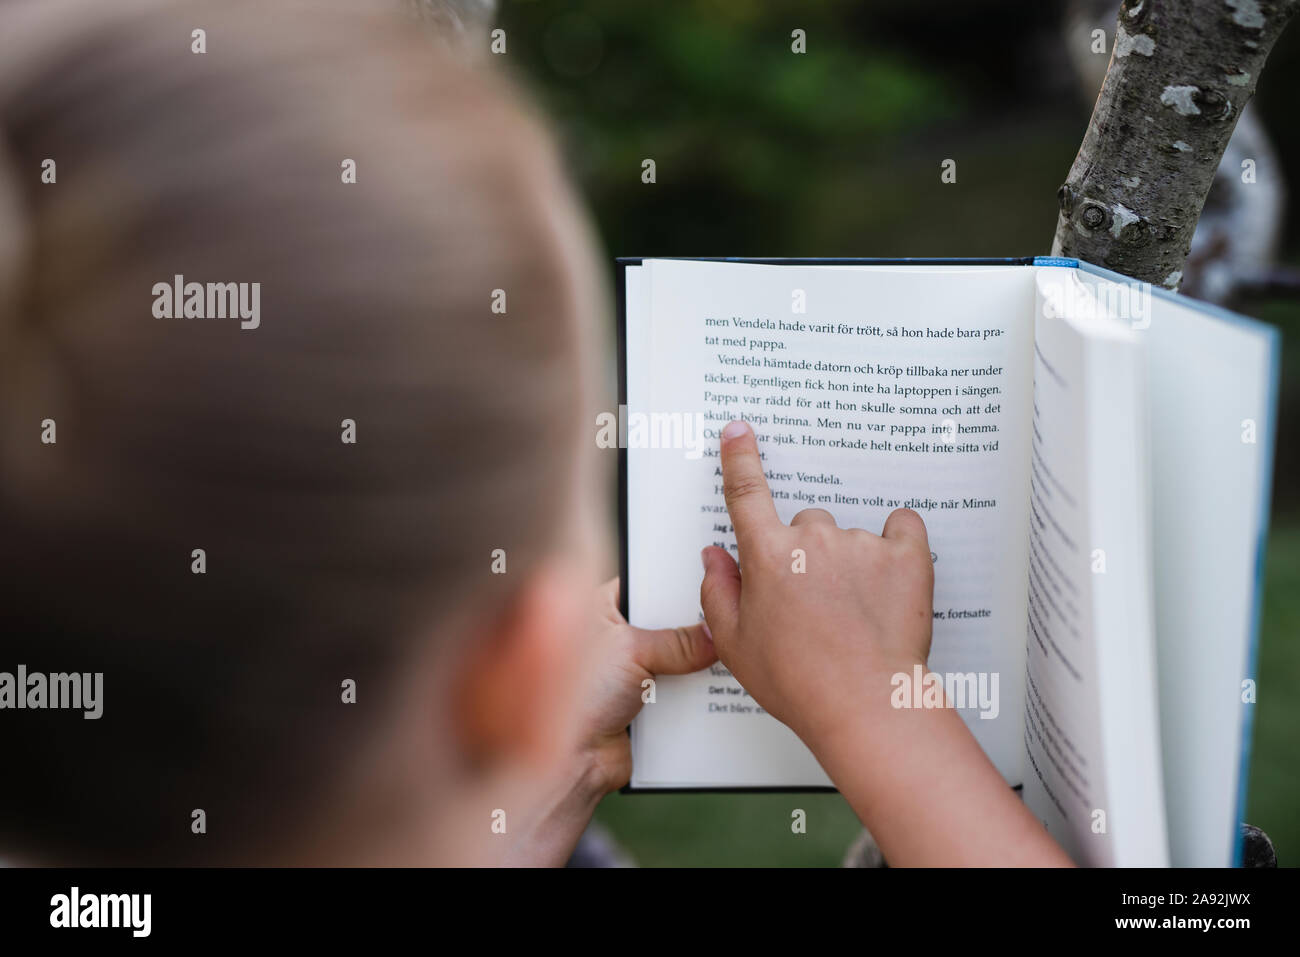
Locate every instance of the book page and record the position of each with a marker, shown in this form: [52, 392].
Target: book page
[870, 388]
[1091, 727]
[1211, 435]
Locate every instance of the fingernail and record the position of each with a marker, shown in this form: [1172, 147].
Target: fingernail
[707, 634]
[734, 429]
[704, 561]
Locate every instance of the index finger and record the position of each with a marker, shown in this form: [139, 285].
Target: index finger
[749, 500]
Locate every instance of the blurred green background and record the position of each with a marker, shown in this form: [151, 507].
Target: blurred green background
[837, 152]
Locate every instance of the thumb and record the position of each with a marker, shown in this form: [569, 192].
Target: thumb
[673, 651]
[720, 591]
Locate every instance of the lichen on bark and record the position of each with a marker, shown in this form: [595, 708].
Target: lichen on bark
[1180, 74]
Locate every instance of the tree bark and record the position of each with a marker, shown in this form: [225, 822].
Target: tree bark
[1180, 73]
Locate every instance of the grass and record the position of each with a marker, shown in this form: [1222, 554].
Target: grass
[730, 830]
[1273, 801]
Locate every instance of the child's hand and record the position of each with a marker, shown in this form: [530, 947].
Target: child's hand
[818, 647]
[618, 658]
[622, 658]
[826, 615]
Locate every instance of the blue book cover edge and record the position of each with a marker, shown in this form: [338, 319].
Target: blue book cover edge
[1274, 340]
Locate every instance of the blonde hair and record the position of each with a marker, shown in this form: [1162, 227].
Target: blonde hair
[323, 558]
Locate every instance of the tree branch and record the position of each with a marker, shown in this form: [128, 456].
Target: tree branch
[1180, 73]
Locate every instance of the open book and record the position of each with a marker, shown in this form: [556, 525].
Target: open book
[1091, 457]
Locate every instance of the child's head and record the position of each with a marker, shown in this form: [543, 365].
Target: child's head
[237, 520]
